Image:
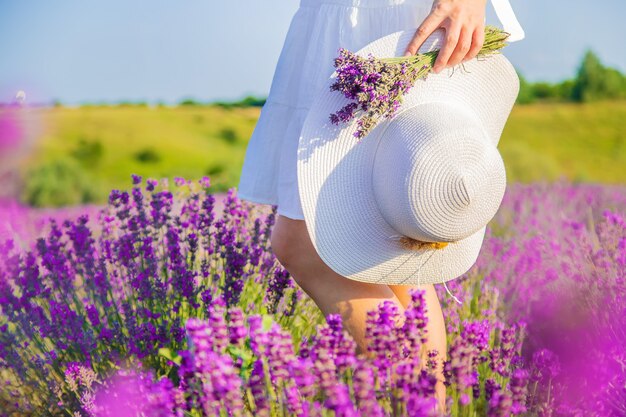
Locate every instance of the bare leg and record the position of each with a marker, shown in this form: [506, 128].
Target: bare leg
[435, 330]
[331, 292]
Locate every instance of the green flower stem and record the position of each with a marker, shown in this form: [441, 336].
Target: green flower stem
[408, 69]
[494, 41]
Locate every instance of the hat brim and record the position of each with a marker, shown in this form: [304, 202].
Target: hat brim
[334, 171]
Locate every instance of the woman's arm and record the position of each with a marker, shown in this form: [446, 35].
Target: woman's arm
[464, 23]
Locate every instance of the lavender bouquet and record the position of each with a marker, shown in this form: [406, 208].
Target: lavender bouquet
[376, 85]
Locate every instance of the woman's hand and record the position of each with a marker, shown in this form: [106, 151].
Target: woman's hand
[463, 21]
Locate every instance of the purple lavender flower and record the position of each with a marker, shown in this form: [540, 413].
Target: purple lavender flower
[414, 326]
[500, 402]
[280, 353]
[460, 364]
[258, 338]
[364, 390]
[477, 333]
[517, 386]
[257, 386]
[378, 84]
[501, 357]
[301, 373]
[338, 400]
[545, 364]
[131, 393]
[382, 334]
[331, 342]
[96, 300]
[236, 326]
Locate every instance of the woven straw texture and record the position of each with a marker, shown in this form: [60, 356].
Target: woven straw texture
[433, 172]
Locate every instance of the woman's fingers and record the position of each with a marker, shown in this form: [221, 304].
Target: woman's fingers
[451, 39]
[478, 38]
[464, 27]
[463, 46]
[427, 27]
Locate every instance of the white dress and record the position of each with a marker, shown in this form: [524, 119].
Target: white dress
[317, 30]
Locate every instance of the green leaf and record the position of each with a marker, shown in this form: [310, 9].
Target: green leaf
[267, 321]
[247, 358]
[168, 354]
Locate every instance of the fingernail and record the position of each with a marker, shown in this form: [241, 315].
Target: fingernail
[407, 53]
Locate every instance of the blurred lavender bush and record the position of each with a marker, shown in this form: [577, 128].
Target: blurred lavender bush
[170, 307]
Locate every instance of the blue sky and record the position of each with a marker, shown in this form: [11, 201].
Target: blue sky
[78, 51]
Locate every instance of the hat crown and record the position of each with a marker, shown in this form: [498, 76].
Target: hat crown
[437, 176]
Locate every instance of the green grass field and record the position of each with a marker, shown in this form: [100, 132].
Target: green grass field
[102, 146]
[583, 142]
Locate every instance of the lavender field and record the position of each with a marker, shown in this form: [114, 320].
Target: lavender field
[169, 301]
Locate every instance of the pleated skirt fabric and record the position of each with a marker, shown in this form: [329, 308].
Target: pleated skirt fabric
[317, 30]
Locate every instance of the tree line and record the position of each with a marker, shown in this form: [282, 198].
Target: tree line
[593, 81]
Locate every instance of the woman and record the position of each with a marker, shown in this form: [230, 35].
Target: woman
[317, 30]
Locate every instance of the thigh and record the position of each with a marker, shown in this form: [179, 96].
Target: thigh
[290, 240]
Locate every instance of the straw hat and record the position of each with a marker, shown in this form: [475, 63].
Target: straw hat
[432, 173]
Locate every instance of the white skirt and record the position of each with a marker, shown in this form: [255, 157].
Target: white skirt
[317, 30]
